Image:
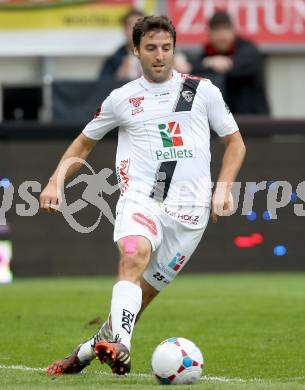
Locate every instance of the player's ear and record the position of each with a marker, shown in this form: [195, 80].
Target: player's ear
[136, 52]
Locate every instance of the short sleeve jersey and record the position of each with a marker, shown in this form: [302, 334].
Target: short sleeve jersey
[164, 137]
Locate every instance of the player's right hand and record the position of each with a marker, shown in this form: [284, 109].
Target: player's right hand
[50, 198]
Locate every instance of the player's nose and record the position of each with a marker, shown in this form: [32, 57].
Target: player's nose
[159, 55]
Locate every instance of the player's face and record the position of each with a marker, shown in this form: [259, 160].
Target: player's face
[156, 54]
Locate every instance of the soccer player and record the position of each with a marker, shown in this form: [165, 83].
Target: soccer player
[163, 167]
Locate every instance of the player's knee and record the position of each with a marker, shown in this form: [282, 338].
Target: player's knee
[132, 266]
[134, 247]
[134, 255]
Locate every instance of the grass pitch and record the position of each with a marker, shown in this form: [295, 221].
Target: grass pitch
[250, 327]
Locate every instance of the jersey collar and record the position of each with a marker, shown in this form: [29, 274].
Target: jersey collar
[160, 86]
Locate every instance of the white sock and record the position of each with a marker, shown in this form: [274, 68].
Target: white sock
[86, 352]
[125, 306]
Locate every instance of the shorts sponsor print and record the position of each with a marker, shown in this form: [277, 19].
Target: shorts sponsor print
[182, 216]
[173, 265]
[177, 262]
[146, 221]
[165, 270]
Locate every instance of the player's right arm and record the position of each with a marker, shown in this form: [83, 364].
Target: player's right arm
[105, 120]
[80, 149]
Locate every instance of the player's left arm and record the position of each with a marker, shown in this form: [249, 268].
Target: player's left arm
[235, 150]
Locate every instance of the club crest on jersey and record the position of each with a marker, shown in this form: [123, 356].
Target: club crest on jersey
[177, 261]
[188, 96]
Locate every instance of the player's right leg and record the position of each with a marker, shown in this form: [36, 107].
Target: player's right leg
[138, 233]
[133, 220]
[85, 353]
[135, 251]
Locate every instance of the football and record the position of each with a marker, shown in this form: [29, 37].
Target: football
[177, 361]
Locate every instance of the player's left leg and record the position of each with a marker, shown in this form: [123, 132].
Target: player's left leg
[149, 294]
[182, 231]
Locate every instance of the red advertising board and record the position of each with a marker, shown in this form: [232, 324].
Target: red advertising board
[264, 21]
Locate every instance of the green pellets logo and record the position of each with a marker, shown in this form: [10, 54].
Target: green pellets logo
[171, 138]
[170, 134]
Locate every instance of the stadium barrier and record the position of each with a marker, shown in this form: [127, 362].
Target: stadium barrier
[46, 244]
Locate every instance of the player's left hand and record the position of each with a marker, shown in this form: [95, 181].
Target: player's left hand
[222, 203]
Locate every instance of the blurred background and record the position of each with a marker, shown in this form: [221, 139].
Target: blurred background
[60, 58]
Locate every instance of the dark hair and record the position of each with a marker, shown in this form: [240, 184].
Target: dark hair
[149, 23]
[131, 12]
[220, 19]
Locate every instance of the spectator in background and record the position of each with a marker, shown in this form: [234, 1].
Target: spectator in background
[234, 65]
[123, 65]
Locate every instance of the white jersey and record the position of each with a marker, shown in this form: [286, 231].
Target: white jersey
[164, 137]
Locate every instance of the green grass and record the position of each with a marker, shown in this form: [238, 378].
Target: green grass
[250, 327]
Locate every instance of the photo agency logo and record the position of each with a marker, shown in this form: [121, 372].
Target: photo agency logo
[278, 195]
[97, 184]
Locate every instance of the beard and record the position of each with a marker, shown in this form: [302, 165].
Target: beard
[158, 77]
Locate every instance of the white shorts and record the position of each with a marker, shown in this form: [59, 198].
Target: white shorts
[174, 234]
